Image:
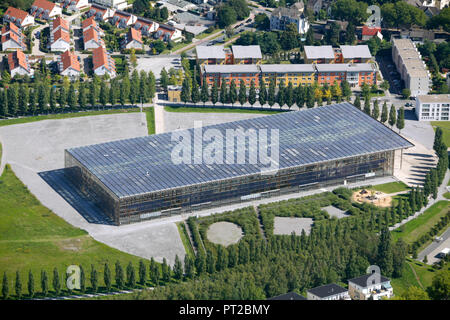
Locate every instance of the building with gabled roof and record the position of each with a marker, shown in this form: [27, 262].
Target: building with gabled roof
[91, 23]
[368, 33]
[74, 5]
[59, 23]
[59, 35]
[103, 63]
[281, 17]
[328, 292]
[115, 4]
[45, 10]
[122, 19]
[69, 65]
[246, 54]
[19, 17]
[370, 286]
[288, 296]
[133, 39]
[100, 13]
[92, 39]
[18, 64]
[145, 26]
[168, 33]
[12, 37]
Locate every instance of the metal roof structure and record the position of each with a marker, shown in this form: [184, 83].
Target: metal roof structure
[327, 290]
[231, 68]
[245, 52]
[361, 51]
[319, 52]
[286, 68]
[210, 52]
[142, 165]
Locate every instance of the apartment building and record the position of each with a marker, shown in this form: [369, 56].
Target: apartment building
[45, 10]
[246, 54]
[146, 26]
[19, 17]
[103, 63]
[122, 19]
[356, 74]
[433, 107]
[364, 288]
[222, 55]
[297, 74]
[92, 39]
[18, 64]
[100, 13]
[411, 67]
[68, 65]
[59, 35]
[343, 54]
[116, 4]
[281, 17]
[328, 292]
[231, 73]
[12, 37]
[133, 40]
[319, 54]
[74, 5]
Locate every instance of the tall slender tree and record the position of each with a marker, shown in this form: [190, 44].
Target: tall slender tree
[392, 116]
[56, 282]
[44, 283]
[107, 277]
[262, 93]
[242, 93]
[252, 93]
[384, 113]
[204, 94]
[271, 94]
[30, 284]
[401, 119]
[18, 285]
[5, 287]
[24, 98]
[142, 272]
[94, 279]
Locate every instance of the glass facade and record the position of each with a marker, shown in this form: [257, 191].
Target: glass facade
[189, 198]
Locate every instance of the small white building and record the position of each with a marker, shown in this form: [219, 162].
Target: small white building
[100, 13]
[18, 64]
[146, 26]
[19, 17]
[328, 292]
[168, 33]
[433, 107]
[68, 65]
[364, 288]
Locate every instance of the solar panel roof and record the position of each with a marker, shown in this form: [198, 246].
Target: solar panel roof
[142, 165]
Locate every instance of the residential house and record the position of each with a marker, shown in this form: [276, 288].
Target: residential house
[314, 6]
[122, 19]
[92, 39]
[246, 54]
[18, 64]
[103, 63]
[281, 17]
[133, 39]
[168, 33]
[288, 296]
[59, 35]
[21, 18]
[328, 292]
[368, 33]
[91, 23]
[433, 107]
[12, 37]
[146, 26]
[45, 10]
[116, 4]
[74, 5]
[100, 13]
[68, 65]
[366, 288]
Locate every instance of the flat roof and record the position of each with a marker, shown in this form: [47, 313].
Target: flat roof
[142, 165]
[231, 68]
[210, 52]
[433, 98]
[245, 52]
[361, 51]
[319, 52]
[327, 290]
[286, 68]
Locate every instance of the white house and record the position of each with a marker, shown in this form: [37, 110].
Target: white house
[133, 39]
[92, 39]
[18, 64]
[116, 4]
[74, 5]
[328, 292]
[122, 19]
[12, 37]
[21, 18]
[100, 13]
[146, 26]
[433, 107]
[281, 17]
[103, 63]
[168, 33]
[68, 65]
[45, 10]
[365, 288]
[59, 35]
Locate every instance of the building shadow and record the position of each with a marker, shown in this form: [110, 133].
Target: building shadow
[410, 115]
[67, 190]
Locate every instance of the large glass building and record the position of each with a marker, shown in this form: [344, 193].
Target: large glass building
[137, 179]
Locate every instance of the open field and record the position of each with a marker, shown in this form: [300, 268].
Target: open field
[422, 224]
[391, 187]
[34, 238]
[8, 122]
[445, 126]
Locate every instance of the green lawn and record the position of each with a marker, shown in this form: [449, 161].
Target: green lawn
[203, 35]
[415, 228]
[185, 239]
[218, 110]
[34, 238]
[8, 122]
[447, 195]
[391, 187]
[445, 126]
[150, 114]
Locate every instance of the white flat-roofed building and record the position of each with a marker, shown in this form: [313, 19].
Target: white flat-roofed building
[246, 54]
[355, 54]
[319, 54]
[411, 67]
[433, 107]
[365, 288]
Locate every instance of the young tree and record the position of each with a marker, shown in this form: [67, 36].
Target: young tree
[131, 276]
[44, 283]
[384, 113]
[56, 282]
[112, 94]
[52, 100]
[177, 268]
[93, 94]
[166, 273]
[119, 276]
[5, 287]
[104, 94]
[392, 116]
[188, 267]
[185, 91]
[289, 95]
[195, 94]
[122, 93]
[357, 102]
[242, 93]
[164, 79]
[200, 263]
[42, 98]
[30, 284]
[406, 93]
[82, 280]
[72, 97]
[18, 285]
[82, 96]
[24, 98]
[154, 272]
[232, 93]
[375, 110]
[107, 277]
[215, 93]
[13, 102]
[271, 93]
[62, 97]
[281, 97]
[3, 103]
[210, 262]
[262, 93]
[385, 253]
[367, 105]
[252, 93]
[204, 94]
[401, 119]
[94, 279]
[142, 272]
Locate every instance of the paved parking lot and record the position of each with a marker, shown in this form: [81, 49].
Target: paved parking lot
[287, 225]
[157, 63]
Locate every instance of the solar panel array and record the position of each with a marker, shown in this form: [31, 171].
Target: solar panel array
[142, 165]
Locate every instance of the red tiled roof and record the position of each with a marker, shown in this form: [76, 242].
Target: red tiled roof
[60, 22]
[70, 60]
[16, 13]
[44, 4]
[135, 35]
[89, 22]
[368, 31]
[11, 31]
[61, 34]
[90, 34]
[10, 27]
[16, 59]
[100, 58]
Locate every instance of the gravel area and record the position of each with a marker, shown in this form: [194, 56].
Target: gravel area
[224, 233]
[287, 225]
[335, 212]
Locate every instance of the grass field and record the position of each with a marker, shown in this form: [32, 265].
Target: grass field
[415, 228]
[445, 126]
[8, 122]
[218, 110]
[150, 114]
[391, 187]
[34, 238]
[185, 239]
[447, 195]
